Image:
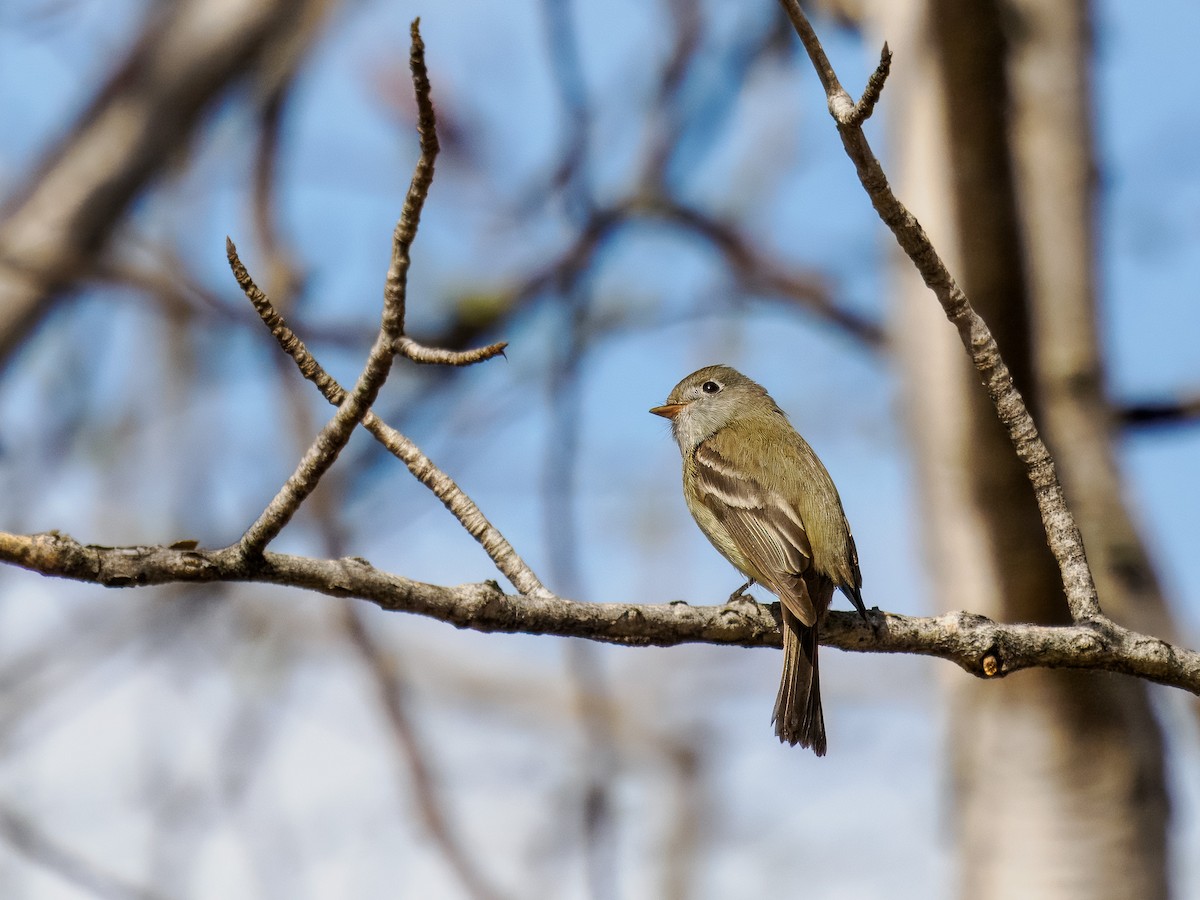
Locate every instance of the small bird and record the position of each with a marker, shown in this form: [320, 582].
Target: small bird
[761, 496]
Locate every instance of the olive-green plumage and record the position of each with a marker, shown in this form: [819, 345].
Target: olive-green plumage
[761, 496]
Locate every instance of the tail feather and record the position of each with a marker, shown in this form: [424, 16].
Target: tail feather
[798, 717]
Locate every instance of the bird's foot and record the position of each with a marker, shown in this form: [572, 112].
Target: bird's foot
[740, 592]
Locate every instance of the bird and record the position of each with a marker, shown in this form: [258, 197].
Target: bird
[763, 499]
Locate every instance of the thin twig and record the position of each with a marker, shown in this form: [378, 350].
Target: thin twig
[333, 437]
[421, 466]
[982, 647]
[874, 89]
[1062, 532]
[432, 356]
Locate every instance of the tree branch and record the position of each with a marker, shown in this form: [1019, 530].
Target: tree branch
[976, 644]
[1157, 413]
[419, 353]
[135, 127]
[1062, 532]
[507, 560]
[41, 848]
[336, 434]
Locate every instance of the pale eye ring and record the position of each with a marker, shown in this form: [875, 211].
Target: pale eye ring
[710, 387]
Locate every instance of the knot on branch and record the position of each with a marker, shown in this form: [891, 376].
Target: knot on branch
[991, 664]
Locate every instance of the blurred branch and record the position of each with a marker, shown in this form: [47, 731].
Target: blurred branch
[560, 519]
[977, 644]
[38, 847]
[754, 269]
[165, 279]
[666, 114]
[571, 178]
[188, 56]
[1150, 414]
[759, 273]
[283, 276]
[1062, 532]
[413, 755]
[685, 760]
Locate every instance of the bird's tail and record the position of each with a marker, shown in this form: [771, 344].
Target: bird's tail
[798, 718]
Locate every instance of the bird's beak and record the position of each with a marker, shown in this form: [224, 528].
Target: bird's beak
[669, 411]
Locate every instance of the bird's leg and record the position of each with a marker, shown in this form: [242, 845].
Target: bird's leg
[737, 595]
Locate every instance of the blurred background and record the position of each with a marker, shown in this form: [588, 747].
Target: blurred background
[627, 191]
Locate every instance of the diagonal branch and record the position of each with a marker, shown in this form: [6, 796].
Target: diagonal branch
[42, 849]
[336, 433]
[980, 646]
[1062, 532]
[134, 129]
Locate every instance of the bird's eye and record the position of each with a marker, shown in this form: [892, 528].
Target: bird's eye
[710, 387]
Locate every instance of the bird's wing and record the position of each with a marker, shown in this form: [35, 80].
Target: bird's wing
[766, 530]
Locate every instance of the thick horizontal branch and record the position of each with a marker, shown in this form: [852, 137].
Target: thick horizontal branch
[982, 647]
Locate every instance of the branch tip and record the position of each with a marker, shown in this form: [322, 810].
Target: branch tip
[419, 353]
[871, 93]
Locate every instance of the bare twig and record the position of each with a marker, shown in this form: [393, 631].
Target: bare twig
[333, 437]
[418, 353]
[1062, 532]
[980, 646]
[460, 505]
[874, 89]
